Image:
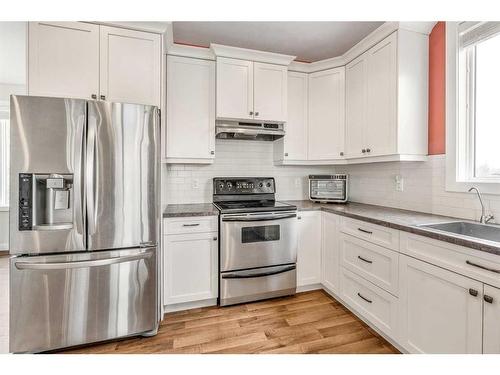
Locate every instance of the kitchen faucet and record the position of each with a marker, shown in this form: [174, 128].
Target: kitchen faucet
[484, 218]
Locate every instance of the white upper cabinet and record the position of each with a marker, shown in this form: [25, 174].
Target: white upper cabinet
[249, 90]
[380, 130]
[386, 99]
[234, 89]
[326, 114]
[293, 146]
[270, 92]
[88, 61]
[440, 311]
[63, 59]
[130, 66]
[356, 89]
[190, 130]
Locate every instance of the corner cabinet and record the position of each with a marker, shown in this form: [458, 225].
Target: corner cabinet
[330, 259]
[293, 146]
[326, 115]
[386, 99]
[190, 130]
[89, 61]
[248, 90]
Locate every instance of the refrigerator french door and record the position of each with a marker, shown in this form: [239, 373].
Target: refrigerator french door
[84, 221]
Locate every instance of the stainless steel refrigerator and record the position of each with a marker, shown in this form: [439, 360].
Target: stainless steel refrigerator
[84, 222]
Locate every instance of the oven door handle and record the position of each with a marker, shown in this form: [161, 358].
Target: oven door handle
[259, 218]
[252, 274]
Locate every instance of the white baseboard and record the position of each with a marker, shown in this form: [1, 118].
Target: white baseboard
[307, 288]
[190, 305]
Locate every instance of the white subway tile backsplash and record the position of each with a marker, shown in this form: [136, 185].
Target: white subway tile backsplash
[424, 188]
[424, 182]
[235, 158]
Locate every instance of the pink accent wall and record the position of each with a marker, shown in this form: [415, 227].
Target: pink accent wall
[437, 89]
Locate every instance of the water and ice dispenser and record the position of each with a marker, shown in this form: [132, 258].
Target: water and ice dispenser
[45, 201]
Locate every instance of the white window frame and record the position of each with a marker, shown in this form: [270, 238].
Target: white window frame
[459, 125]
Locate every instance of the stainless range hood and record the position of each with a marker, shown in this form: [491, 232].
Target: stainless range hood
[249, 131]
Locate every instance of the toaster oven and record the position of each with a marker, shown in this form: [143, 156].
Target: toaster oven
[328, 188]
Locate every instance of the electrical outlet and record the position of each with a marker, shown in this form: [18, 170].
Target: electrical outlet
[297, 182]
[195, 183]
[399, 182]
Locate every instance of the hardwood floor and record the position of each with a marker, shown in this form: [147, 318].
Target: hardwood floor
[310, 322]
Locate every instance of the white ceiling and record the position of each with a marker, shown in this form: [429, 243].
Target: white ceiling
[309, 41]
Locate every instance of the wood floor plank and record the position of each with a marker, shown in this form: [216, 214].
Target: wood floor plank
[309, 322]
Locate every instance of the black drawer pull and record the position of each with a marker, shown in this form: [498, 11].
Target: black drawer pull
[473, 292]
[365, 260]
[364, 298]
[488, 299]
[190, 225]
[482, 267]
[365, 231]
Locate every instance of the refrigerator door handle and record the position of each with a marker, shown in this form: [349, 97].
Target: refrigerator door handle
[147, 253]
[91, 174]
[79, 186]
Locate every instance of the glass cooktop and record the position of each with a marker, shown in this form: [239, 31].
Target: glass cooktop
[253, 206]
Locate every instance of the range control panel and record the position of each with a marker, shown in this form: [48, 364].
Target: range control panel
[244, 185]
[25, 201]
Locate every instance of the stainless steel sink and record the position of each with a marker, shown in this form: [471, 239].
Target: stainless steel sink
[464, 228]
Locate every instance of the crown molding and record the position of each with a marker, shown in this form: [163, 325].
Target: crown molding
[359, 48]
[190, 51]
[220, 50]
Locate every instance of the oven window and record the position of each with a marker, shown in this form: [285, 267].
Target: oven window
[260, 234]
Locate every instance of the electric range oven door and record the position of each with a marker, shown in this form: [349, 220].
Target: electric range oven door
[257, 240]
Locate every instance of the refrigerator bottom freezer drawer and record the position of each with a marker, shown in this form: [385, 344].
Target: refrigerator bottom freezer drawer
[59, 301]
[257, 284]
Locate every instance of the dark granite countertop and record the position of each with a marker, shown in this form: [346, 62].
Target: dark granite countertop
[195, 209]
[404, 220]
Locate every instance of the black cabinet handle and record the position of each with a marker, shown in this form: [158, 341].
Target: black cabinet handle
[190, 225]
[364, 298]
[473, 292]
[482, 267]
[365, 260]
[488, 299]
[365, 231]
[103, 97]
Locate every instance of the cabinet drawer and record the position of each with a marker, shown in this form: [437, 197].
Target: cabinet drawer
[472, 263]
[192, 224]
[374, 233]
[375, 263]
[370, 301]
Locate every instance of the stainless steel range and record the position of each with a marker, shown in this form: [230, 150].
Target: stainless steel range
[258, 240]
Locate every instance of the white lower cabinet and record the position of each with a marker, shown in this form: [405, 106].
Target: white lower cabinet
[491, 320]
[373, 303]
[372, 262]
[440, 311]
[330, 252]
[190, 267]
[309, 248]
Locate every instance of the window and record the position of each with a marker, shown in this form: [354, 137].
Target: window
[473, 113]
[4, 159]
